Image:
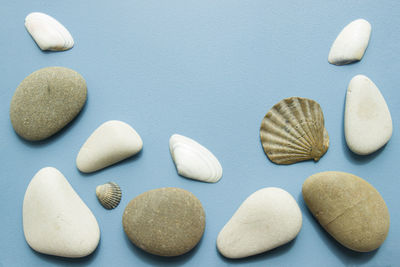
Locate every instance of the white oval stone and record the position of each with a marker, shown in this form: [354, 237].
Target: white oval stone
[110, 143]
[193, 160]
[55, 219]
[267, 219]
[367, 120]
[351, 43]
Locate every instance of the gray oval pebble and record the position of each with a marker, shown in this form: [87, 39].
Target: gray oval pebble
[166, 222]
[46, 101]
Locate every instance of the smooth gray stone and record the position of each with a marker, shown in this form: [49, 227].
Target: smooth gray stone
[166, 222]
[46, 101]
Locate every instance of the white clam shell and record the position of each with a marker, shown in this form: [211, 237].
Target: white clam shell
[293, 130]
[193, 160]
[111, 142]
[351, 43]
[48, 33]
[109, 195]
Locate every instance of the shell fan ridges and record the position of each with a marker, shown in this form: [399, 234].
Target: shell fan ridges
[109, 195]
[293, 130]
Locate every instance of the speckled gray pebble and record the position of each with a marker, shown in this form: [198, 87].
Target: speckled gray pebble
[46, 101]
[166, 222]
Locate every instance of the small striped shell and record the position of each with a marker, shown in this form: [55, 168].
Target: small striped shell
[293, 130]
[109, 195]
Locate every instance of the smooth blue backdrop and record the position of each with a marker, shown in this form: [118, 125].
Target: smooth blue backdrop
[209, 70]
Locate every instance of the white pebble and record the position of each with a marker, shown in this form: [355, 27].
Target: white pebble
[267, 219]
[55, 219]
[110, 143]
[351, 43]
[367, 120]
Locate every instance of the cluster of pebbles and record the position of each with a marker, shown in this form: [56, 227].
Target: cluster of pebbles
[171, 221]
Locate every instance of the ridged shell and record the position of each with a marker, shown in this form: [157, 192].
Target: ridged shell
[293, 130]
[48, 33]
[193, 160]
[109, 195]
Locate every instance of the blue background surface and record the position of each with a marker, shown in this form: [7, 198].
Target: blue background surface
[209, 70]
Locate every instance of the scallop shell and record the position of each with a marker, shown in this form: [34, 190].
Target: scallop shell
[48, 33]
[293, 130]
[193, 160]
[109, 195]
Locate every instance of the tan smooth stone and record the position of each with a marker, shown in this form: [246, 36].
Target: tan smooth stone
[166, 222]
[348, 208]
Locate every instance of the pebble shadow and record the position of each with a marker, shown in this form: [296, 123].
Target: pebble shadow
[55, 260]
[276, 252]
[347, 256]
[155, 260]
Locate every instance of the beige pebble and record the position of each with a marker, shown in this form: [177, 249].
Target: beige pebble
[166, 222]
[350, 209]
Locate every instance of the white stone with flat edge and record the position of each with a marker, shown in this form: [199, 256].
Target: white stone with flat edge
[351, 43]
[55, 219]
[267, 219]
[367, 120]
[111, 142]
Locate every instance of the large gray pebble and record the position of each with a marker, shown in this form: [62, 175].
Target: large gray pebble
[166, 222]
[46, 101]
